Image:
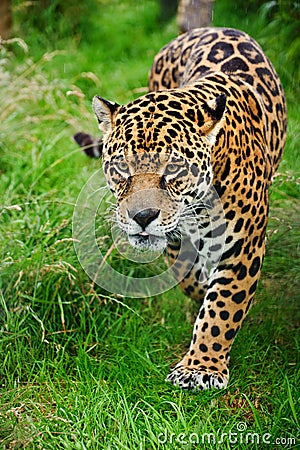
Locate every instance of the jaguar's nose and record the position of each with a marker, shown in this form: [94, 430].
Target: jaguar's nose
[146, 216]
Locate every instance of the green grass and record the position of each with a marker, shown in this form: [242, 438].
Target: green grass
[84, 370]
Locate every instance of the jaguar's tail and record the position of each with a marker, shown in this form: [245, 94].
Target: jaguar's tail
[92, 147]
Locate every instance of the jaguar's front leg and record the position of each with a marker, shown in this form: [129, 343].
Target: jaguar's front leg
[225, 306]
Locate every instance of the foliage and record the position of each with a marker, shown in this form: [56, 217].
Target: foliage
[55, 19]
[283, 23]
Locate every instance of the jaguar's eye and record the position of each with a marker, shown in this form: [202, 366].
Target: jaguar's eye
[172, 168]
[122, 166]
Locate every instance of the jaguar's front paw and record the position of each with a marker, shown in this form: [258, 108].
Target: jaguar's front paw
[197, 379]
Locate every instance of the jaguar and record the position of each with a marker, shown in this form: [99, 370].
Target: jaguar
[190, 164]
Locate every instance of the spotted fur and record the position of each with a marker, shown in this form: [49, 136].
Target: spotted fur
[212, 127]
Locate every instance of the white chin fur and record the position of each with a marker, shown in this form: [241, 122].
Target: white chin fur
[150, 242]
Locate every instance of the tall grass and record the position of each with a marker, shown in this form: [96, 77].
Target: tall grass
[84, 369]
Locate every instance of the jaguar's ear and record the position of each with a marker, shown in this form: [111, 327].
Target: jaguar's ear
[104, 111]
[214, 112]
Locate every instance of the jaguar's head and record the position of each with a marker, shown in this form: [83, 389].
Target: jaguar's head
[157, 160]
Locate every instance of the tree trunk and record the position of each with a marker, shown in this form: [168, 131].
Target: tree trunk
[5, 19]
[194, 14]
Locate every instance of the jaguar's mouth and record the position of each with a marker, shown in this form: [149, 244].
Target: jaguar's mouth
[143, 234]
[145, 241]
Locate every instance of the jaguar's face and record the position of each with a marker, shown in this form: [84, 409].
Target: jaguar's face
[154, 167]
[153, 190]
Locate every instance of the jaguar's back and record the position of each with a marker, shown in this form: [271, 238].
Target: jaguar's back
[196, 54]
